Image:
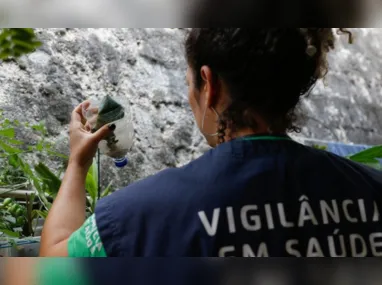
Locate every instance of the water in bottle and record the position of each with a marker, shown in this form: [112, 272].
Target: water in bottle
[112, 110]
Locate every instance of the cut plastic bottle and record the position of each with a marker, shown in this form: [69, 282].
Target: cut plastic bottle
[112, 110]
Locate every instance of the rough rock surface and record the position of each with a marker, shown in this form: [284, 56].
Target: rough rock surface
[148, 66]
[349, 108]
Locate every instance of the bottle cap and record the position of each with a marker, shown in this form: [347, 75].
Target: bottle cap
[121, 162]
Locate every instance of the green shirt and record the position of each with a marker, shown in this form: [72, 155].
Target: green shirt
[86, 242]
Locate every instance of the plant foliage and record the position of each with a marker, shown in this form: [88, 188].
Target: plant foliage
[17, 42]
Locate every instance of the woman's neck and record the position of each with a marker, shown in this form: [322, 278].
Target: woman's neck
[249, 132]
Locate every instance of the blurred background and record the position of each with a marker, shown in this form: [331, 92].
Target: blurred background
[183, 13]
[233, 271]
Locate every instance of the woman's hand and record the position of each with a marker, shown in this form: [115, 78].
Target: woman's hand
[84, 144]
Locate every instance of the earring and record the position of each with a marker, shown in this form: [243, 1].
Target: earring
[221, 132]
[204, 116]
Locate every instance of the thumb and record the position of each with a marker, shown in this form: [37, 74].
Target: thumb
[103, 132]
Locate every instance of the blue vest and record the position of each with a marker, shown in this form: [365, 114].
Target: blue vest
[249, 198]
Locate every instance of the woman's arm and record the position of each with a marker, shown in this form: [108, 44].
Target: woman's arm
[68, 210]
[67, 213]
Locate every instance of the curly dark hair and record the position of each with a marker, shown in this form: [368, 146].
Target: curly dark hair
[266, 70]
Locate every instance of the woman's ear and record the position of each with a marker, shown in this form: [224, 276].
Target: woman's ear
[209, 87]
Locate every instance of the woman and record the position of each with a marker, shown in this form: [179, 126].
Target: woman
[257, 193]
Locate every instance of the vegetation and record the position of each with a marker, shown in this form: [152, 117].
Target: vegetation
[12, 217]
[18, 173]
[371, 157]
[17, 42]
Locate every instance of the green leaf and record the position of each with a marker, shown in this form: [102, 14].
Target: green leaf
[377, 165]
[15, 142]
[108, 190]
[321, 147]
[27, 32]
[368, 156]
[53, 153]
[27, 46]
[16, 161]
[7, 148]
[9, 133]
[92, 186]
[4, 54]
[41, 196]
[9, 233]
[39, 189]
[41, 214]
[94, 171]
[40, 146]
[52, 182]
[39, 127]
[16, 42]
[10, 219]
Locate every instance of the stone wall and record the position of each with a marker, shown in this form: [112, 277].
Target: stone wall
[148, 66]
[349, 108]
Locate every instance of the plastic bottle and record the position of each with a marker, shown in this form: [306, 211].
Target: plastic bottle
[112, 110]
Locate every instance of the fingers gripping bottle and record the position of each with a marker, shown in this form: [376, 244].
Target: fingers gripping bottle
[112, 110]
